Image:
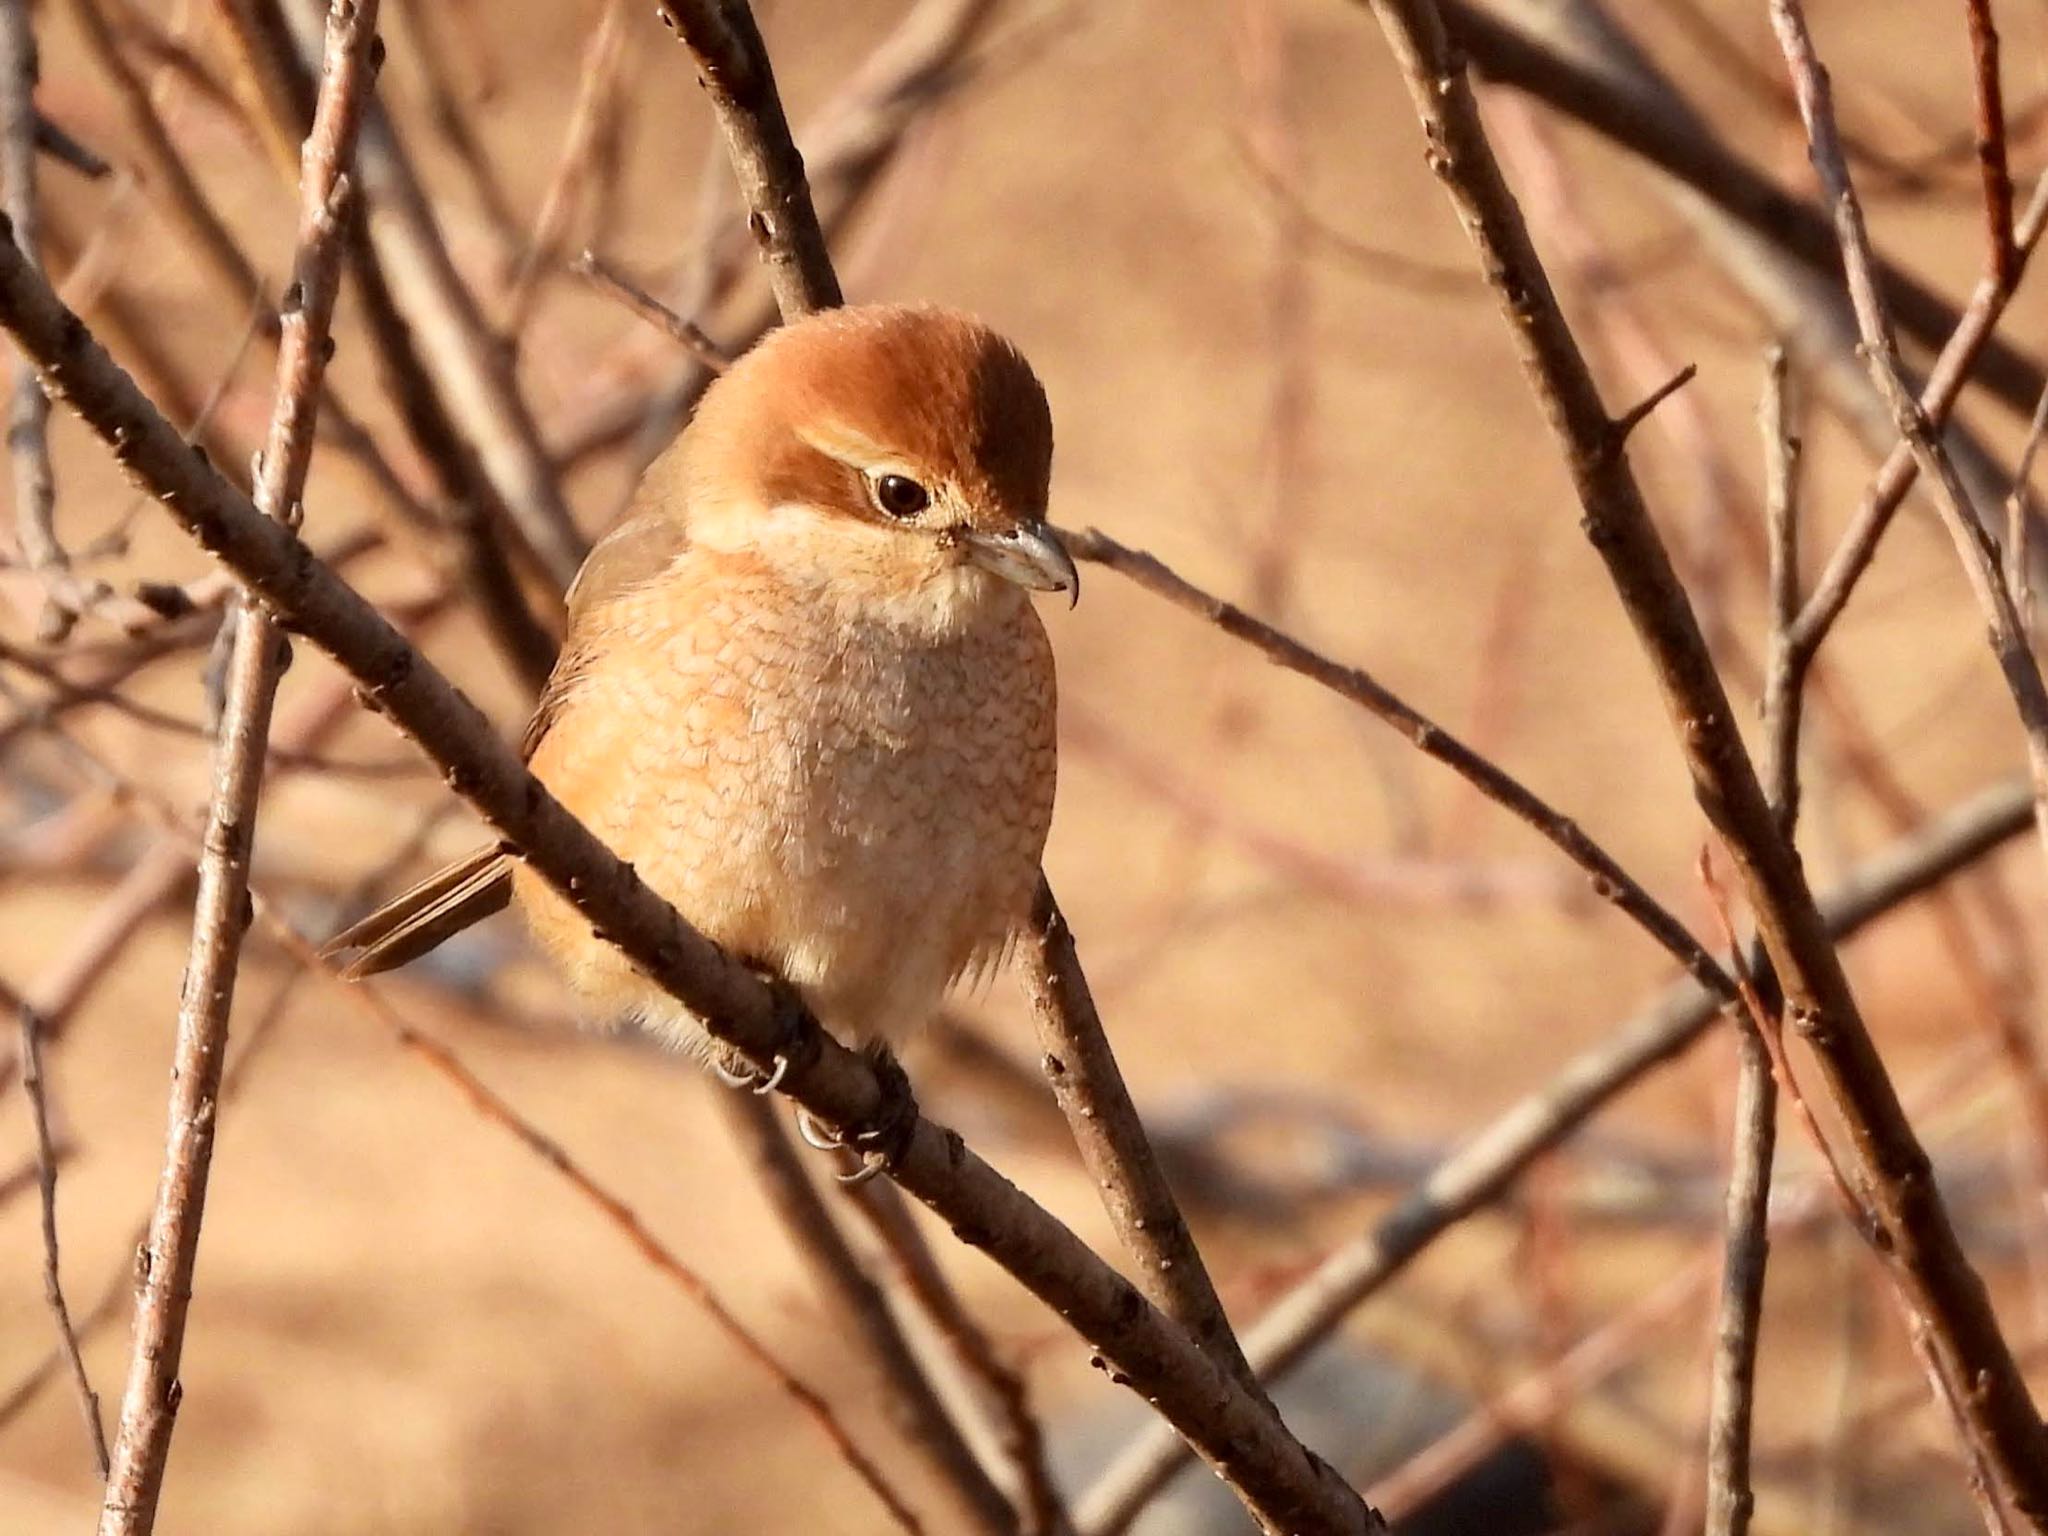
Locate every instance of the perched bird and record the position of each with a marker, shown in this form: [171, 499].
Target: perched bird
[803, 690]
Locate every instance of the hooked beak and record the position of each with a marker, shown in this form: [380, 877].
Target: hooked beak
[1031, 555]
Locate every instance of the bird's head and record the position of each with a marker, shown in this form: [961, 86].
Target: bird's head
[901, 454]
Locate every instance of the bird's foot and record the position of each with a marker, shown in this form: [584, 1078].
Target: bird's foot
[792, 1030]
[880, 1144]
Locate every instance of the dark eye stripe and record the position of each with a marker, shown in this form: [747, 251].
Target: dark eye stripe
[900, 496]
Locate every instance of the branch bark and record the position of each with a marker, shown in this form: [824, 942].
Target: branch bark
[149, 1402]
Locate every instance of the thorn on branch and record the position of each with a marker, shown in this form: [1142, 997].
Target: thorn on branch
[1619, 430]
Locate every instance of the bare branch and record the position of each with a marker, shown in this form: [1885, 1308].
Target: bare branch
[1111, 1137]
[149, 1402]
[1991, 151]
[614, 284]
[1901, 468]
[1609, 880]
[1912, 1229]
[1973, 544]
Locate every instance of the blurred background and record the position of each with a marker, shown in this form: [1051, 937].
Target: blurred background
[1324, 961]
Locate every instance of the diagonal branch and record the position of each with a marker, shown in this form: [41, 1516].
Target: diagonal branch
[1609, 880]
[1880, 345]
[1912, 1230]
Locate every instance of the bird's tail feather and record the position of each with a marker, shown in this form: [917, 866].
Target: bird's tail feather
[417, 920]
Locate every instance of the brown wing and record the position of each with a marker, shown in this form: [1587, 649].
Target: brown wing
[639, 547]
[643, 544]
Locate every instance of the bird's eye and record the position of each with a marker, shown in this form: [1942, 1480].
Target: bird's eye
[900, 496]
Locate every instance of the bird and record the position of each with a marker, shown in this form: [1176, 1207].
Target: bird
[803, 688]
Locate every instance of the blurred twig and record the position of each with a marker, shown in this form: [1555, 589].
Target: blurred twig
[46, 1180]
[1514, 53]
[1019, 1440]
[597, 102]
[1731, 1412]
[1973, 544]
[860, 1314]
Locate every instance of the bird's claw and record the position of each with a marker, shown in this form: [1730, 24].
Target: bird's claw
[881, 1143]
[795, 1042]
[814, 1133]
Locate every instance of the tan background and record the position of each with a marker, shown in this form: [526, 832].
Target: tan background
[404, 1324]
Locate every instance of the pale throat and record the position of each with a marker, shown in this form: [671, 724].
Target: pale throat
[913, 581]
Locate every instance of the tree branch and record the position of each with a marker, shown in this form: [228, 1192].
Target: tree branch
[1912, 1230]
[149, 1403]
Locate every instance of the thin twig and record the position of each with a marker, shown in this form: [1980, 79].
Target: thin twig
[1901, 468]
[445, 111]
[1731, 1410]
[1991, 150]
[149, 1403]
[2019, 512]
[1609, 880]
[597, 103]
[1783, 703]
[614, 284]
[46, 1181]
[1966, 529]
[1730, 1499]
